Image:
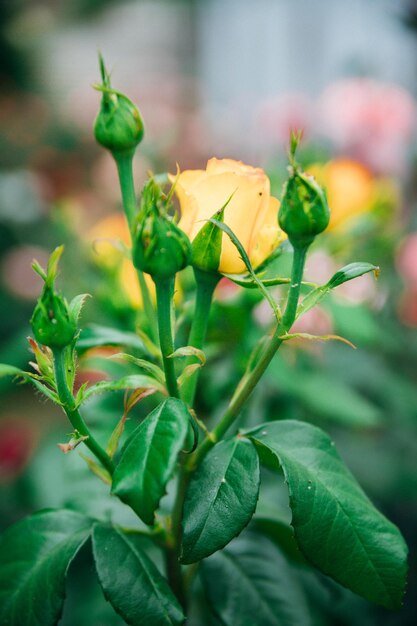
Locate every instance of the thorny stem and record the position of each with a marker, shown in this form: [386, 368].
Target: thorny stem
[247, 385]
[68, 404]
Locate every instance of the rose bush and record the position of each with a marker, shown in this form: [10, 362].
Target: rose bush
[251, 213]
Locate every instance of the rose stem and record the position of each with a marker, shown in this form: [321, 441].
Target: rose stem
[124, 162]
[68, 404]
[244, 390]
[206, 284]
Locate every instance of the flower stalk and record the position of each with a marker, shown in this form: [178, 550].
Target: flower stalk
[205, 284]
[164, 296]
[124, 162]
[245, 389]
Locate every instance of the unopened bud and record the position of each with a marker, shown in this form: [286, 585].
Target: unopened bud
[51, 322]
[304, 212]
[160, 248]
[206, 247]
[118, 125]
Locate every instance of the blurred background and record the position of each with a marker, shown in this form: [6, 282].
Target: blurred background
[224, 78]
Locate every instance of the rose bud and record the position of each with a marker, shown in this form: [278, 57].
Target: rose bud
[160, 248]
[118, 125]
[304, 212]
[51, 322]
[207, 246]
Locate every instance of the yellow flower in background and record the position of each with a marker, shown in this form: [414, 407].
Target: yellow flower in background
[349, 188]
[107, 238]
[352, 190]
[251, 213]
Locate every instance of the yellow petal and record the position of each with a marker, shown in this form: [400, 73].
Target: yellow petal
[184, 184]
[219, 166]
[251, 213]
[211, 193]
[268, 236]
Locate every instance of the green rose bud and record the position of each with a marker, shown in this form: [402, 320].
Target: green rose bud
[160, 248]
[304, 212]
[51, 322]
[118, 125]
[206, 247]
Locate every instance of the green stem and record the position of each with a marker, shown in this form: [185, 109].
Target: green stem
[246, 387]
[206, 284]
[164, 295]
[147, 305]
[124, 162]
[68, 403]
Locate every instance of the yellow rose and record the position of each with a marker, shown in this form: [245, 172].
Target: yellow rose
[251, 213]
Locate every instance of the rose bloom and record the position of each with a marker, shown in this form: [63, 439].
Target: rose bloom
[252, 212]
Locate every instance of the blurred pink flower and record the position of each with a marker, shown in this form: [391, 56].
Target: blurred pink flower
[277, 116]
[406, 260]
[407, 306]
[370, 121]
[17, 273]
[315, 322]
[362, 289]
[320, 267]
[226, 290]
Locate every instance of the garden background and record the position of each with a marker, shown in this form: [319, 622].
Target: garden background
[224, 78]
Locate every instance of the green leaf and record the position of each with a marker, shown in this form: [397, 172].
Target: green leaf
[249, 283]
[131, 582]
[11, 370]
[242, 252]
[250, 582]
[28, 377]
[189, 351]
[149, 367]
[349, 272]
[95, 336]
[336, 526]
[35, 556]
[136, 381]
[76, 305]
[149, 458]
[221, 498]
